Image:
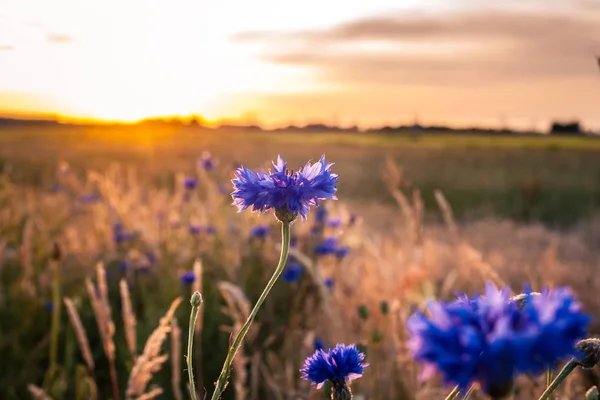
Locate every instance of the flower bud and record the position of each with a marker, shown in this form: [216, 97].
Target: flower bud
[590, 349]
[384, 307]
[284, 215]
[341, 391]
[592, 394]
[363, 312]
[196, 299]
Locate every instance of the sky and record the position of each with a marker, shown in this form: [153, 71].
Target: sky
[518, 63]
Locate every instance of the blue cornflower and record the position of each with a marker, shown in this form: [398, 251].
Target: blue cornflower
[342, 252]
[223, 188]
[329, 282]
[318, 343]
[333, 222]
[207, 161]
[292, 272]
[327, 246]
[289, 194]
[321, 214]
[339, 365]
[89, 198]
[194, 229]
[491, 339]
[123, 266]
[211, 230]
[120, 235]
[187, 277]
[190, 183]
[259, 231]
[48, 306]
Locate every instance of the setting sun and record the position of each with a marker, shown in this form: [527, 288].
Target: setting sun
[376, 62]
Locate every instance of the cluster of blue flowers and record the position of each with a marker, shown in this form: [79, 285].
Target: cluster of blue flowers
[330, 246]
[282, 190]
[491, 339]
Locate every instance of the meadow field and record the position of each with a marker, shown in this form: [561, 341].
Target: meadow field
[100, 236]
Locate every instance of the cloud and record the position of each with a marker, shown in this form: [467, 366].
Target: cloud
[59, 38]
[461, 48]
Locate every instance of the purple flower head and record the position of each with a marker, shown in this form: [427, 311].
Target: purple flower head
[194, 229]
[333, 222]
[490, 339]
[327, 246]
[321, 214]
[329, 282]
[223, 188]
[187, 278]
[48, 306]
[207, 161]
[284, 191]
[259, 231]
[123, 266]
[342, 252]
[89, 198]
[190, 183]
[338, 365]
[120, 235]
[211, 229]
[318, 343]
[292, 272]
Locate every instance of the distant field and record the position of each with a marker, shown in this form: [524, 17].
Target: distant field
[553, 179]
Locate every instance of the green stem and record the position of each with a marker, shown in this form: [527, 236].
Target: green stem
[55, 328]
[453, 393]
[548, 377]
[224, 376]
[562, 375]
[196, 301]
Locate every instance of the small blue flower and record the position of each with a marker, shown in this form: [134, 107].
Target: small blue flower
[48, 306]
[342, 252]
[123, 266]
[223, 188]
[194, 229]
[490, 339]
[282, 190]
[120, 235]
[190, 183]
[333, 222]
[338, 365]
[89, 198]
[321, 214]
[292, 272]
[318, 343]
[187, 278]
[211, 230]
[329, 282]
[207, 161]
[259, 231]
[327, 246]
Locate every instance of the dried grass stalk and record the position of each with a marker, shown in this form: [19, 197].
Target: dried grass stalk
[154, 393]
[150, 361]
[128, 319]
[80, 333]
[176, 359]
[106, 326]
[446, 213]
[38, 393]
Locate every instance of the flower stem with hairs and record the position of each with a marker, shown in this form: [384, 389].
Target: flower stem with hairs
[562, 375]
[237, 343]
[196, 301]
